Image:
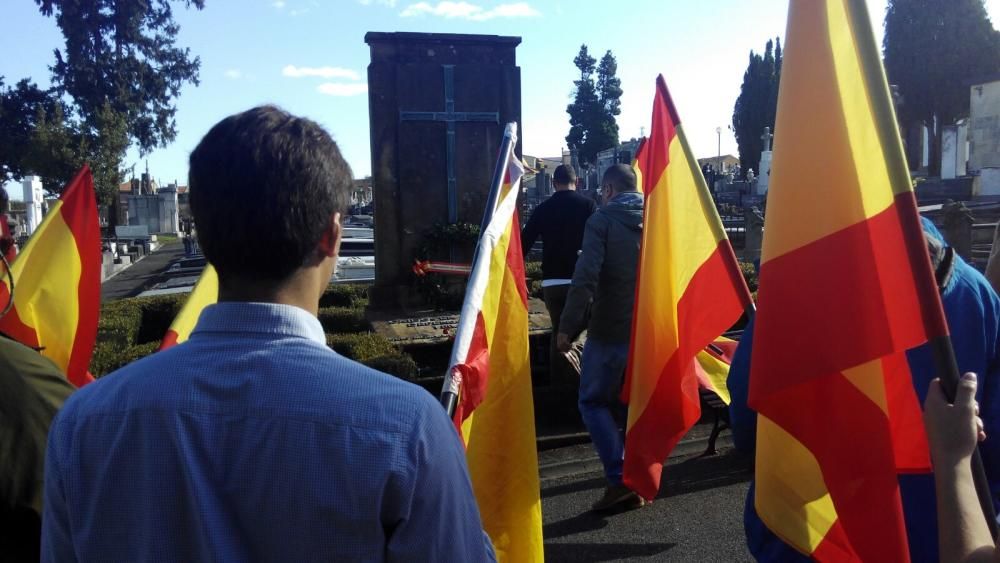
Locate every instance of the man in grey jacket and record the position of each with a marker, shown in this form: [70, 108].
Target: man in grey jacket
[605, 276]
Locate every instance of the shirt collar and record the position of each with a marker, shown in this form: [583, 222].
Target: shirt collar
[260, 318]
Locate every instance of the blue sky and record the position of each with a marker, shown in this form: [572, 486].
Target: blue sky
[309, 57]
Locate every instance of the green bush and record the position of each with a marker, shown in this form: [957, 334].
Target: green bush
[343, 320]
[130, 329]
[374, 351]
[344, 295]
[361, 346]
[399, 364]
[535, 289]
[750, 275]
[533, 270]
[109, 356]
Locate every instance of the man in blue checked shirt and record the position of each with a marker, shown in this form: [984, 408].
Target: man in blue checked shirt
[253, 440]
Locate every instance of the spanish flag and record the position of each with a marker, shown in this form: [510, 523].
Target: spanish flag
[57, 283]
[713, 367]
[495, 415]
[205, 293]
[689, 291]
[846, 288]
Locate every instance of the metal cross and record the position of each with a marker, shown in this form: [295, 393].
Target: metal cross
[449, 116]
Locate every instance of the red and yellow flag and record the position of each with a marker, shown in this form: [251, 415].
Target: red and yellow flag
[205, 293]
[689, 291]
[57, 283]
[845, 289]
[495, 414]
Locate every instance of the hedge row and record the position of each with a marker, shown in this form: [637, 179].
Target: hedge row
[130, 329]
[375, 351]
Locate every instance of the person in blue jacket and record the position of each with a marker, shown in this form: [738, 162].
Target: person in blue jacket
[972, 309]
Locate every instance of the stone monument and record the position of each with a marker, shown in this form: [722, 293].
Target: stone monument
[764, 177]
[954, 153]
[34, 198]
[753, 232]
[438, 104]
[158, 212]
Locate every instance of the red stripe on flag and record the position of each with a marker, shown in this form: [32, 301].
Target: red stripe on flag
[835, 546]
[79, 211]
[169, 339]
[515, 260]
[475, 372]
[909, 441]
[850, 438]
[657, 147]
[852, 290]
[668, 414]
[12, 325]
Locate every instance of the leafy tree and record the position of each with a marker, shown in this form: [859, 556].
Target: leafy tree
[596, 102]
[107, 143]
[582, 112]
[56, 149]
[124, 53]
[757, 104]
[19, 111]
[609, 92]
[932, 49]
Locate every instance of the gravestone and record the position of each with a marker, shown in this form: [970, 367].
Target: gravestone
[438, 104]
[753, 234]
[33, 200]
[764, 172]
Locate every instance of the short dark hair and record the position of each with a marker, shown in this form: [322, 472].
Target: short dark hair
[621, 178]
[263, 185]
[564, 174]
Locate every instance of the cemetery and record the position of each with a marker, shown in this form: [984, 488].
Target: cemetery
[439, 108]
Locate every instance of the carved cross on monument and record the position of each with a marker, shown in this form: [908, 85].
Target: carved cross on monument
[766, 137]
[450, 117]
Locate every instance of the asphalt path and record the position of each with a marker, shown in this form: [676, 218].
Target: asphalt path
[140, 276]
[698, 515]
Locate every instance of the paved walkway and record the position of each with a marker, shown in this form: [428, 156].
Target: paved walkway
[698, 515]
[137, 278]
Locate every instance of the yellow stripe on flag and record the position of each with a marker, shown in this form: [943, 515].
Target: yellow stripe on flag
[502, 456]
[205, 293]
[500, 431]
[850, 183]
[45, 301]
[798, 477]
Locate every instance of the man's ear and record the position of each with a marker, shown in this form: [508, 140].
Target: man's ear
[329, 243]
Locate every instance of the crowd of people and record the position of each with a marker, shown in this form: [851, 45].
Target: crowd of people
[254, 441]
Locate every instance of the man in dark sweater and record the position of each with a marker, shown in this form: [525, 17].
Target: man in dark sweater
[560, 221]
[604, 280]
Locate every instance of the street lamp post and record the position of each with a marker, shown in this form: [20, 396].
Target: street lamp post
[718, 131]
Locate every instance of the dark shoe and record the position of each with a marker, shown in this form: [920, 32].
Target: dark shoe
[618, 497]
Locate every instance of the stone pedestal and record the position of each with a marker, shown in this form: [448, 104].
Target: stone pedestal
[438, 104]
[34, 197]
[753, 234]
[764, 177]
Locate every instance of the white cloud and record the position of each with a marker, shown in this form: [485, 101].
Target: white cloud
[328, 72]
[466, 11]
[342, 89]
[234, 74]
[279, 4]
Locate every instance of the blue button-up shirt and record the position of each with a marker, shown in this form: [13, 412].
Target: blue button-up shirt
[254, 441]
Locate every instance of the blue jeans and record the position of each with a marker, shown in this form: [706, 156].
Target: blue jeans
[602, 412]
